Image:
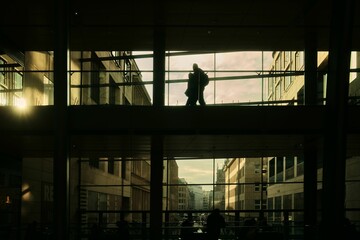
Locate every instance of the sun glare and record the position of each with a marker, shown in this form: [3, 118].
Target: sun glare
[21, 103]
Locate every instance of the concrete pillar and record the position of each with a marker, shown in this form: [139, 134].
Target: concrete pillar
[157, 140]
[333, 199]
[310, 145]
[61, 136]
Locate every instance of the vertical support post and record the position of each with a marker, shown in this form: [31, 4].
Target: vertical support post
[310, 188]
[333, 199]
[80, 213]
[286, 225]
[61, 137]
[167, 231]
[310, 148]
[159, 56]
[143, 226]
[159, 68]
[310, 68]
[156, 193]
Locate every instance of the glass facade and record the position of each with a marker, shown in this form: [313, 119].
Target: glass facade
[116, 185]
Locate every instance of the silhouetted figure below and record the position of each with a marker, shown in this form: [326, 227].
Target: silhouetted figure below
[123, 231]
[187, 229]
[95, 232]
[248, 230]
[214, 223]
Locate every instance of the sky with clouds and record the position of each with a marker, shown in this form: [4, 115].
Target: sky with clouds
[217, 92]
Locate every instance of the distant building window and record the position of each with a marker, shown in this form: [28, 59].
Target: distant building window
[287, 59]
[116, 54]
[97, 73]
[279, 169]
[257, 187]
[271, 170]
[18, 81]
[257, 168]
[2, 72]
[287, 204]
[278, 90]
[278, 63]
[270, 206]
[288, 79]
[270, 81]
[279, 164]
[299, 60]
[112, 91]
[127, 70]
[289, 162]
[123, 168]
[111, 166]
[264, 204]
[278, 204]
[257, 204]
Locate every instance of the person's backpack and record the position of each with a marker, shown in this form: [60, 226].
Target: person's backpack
[205, 79]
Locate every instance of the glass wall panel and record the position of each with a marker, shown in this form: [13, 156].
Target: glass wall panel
[354, 79]
[239, 188]
[352, 187]
[235, 77]
[111, 78]
[125, 78]
[112, 190]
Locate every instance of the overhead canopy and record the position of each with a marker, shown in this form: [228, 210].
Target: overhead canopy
[189, 25]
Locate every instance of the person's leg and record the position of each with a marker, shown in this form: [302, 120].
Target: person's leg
[201, 97]
[193, 97]
[193, 101]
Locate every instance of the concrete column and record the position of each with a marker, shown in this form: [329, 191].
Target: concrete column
[156, 193]
[310, 187]
[159, 68]
[159, 57]
[310, 68]
[310, 145]
[333, 199]
[61, 136]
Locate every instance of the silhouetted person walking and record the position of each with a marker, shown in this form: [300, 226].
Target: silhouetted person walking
[199, 76]
[192, 91]
[214, 223]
